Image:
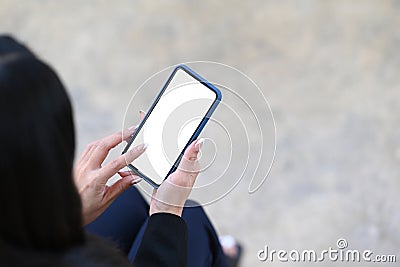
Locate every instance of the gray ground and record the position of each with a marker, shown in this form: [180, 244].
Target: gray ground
[329, 69]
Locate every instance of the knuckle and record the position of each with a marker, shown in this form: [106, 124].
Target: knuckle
[189, 158]
[116, 164]
[91, 145]
[118, 136]
[121, 187]
[103, 146]
[133, 152]
[126, 135]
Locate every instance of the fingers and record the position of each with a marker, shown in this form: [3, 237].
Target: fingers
[128, 135]
[115, 165]
[124, 173]
[189, 161]
[188, 169]
[120, 186]
[193, 149]
[170, 197]
[98, 150]
[142, 114]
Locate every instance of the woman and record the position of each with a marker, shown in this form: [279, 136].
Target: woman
[43, 210]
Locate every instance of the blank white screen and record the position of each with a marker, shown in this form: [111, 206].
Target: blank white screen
[171, 124]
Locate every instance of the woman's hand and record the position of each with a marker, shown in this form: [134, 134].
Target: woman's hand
[172, 194]
[91, 177]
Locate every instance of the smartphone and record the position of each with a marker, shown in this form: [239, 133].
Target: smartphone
[174, 120]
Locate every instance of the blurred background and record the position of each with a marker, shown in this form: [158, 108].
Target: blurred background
[329, 69]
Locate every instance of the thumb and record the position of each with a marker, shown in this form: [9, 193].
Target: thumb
[189, 162]
[120, 186]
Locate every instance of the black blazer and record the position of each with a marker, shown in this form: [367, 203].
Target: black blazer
[164, 244]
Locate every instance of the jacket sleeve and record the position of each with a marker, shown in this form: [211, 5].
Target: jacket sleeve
[164, 242]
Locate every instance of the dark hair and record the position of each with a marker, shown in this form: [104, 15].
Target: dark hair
[40, 206]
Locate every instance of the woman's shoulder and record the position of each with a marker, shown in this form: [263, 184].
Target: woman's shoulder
[94, 253]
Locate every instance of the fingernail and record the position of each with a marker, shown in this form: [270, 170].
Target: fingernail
[199, 144]
[124, 169]
[136, 180]
[132, 127]
[141, 111]
[141, 147]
